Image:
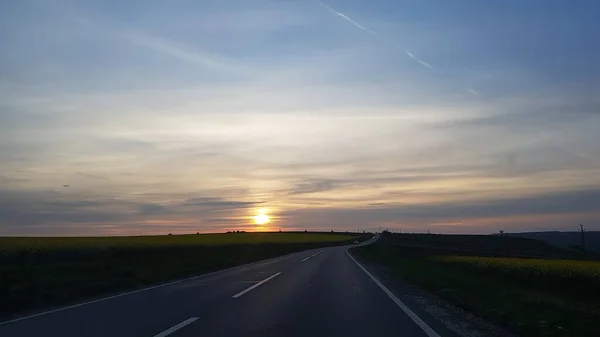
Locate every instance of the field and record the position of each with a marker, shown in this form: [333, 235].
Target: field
[9, 245]
[40, 272]
[578, 278]
[530, 288]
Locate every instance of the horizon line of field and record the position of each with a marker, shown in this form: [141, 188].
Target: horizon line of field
[187, 234]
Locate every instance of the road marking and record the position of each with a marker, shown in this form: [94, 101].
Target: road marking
[312, 256]
[256, 285]
[426, 328]
[176, 327]
[145, 289]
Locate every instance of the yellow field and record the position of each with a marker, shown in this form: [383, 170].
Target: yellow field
[8, 244]
[529, 267]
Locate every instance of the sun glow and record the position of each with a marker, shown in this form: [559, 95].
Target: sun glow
[261, 218]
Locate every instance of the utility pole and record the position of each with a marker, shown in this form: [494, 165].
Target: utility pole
[582, 237]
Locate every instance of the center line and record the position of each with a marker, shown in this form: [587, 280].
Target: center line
[176, 327]
[315, 254]
[254, 286]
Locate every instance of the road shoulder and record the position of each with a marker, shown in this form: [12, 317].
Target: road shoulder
[446, 319]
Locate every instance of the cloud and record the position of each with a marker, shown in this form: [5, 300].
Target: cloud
[313, 186]
[56, 213]
[503, 211]
[11, 180]
[153, 209]
[91, 176]
[219, 203]
[202, 58]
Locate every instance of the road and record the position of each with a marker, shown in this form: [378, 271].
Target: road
[320, 292]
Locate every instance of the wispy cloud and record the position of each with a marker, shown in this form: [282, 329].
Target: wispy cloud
[579, 204]
[473, 91]
[27, 213]
[91, 176]
[421, 62]
[345, 17]
[202, 58]
[313, 186]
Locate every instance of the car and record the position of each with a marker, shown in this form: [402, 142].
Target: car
[355, 242]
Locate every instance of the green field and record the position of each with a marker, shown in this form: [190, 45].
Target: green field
[37, 272]
[10, 245]
[551, 296]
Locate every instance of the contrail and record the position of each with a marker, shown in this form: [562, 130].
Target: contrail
[421, 62]
[358, 25]
[473, 91]
[345, 17]
[363, 28]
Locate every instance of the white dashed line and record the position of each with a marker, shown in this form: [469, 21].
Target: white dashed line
[277, 258]
[312, 256]
[176, 327]
[255, 286]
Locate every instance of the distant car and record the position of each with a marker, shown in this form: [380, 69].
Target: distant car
[355, 241]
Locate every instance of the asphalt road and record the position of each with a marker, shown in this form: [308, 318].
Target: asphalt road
[320, 292]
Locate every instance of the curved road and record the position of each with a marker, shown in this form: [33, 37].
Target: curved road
[321, 292]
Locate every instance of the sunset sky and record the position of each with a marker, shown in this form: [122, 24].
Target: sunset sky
[148, 117]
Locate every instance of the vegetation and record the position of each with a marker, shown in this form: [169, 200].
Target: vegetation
[552, 296]
[12, 244]
[578, 278]
[37, 272]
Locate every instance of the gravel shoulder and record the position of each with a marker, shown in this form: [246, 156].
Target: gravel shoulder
[443, 317]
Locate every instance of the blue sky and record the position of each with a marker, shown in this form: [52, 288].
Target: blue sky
[177, 116]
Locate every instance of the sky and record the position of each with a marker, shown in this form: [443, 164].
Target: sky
[153, 117]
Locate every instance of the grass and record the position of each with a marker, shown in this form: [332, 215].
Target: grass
[577, 278]
[529, 296]
[39, 272]
[11, 244]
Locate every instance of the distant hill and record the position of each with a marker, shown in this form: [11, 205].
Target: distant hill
[565, 239]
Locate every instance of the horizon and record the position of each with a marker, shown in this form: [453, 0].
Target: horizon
[393, 231]
[149, 117]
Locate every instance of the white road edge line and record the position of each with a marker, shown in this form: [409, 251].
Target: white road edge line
[176, 327]
[312, 256]
[144, 289]
[255, 286]
[426, 328]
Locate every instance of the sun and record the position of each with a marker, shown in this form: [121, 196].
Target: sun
[261, 219]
